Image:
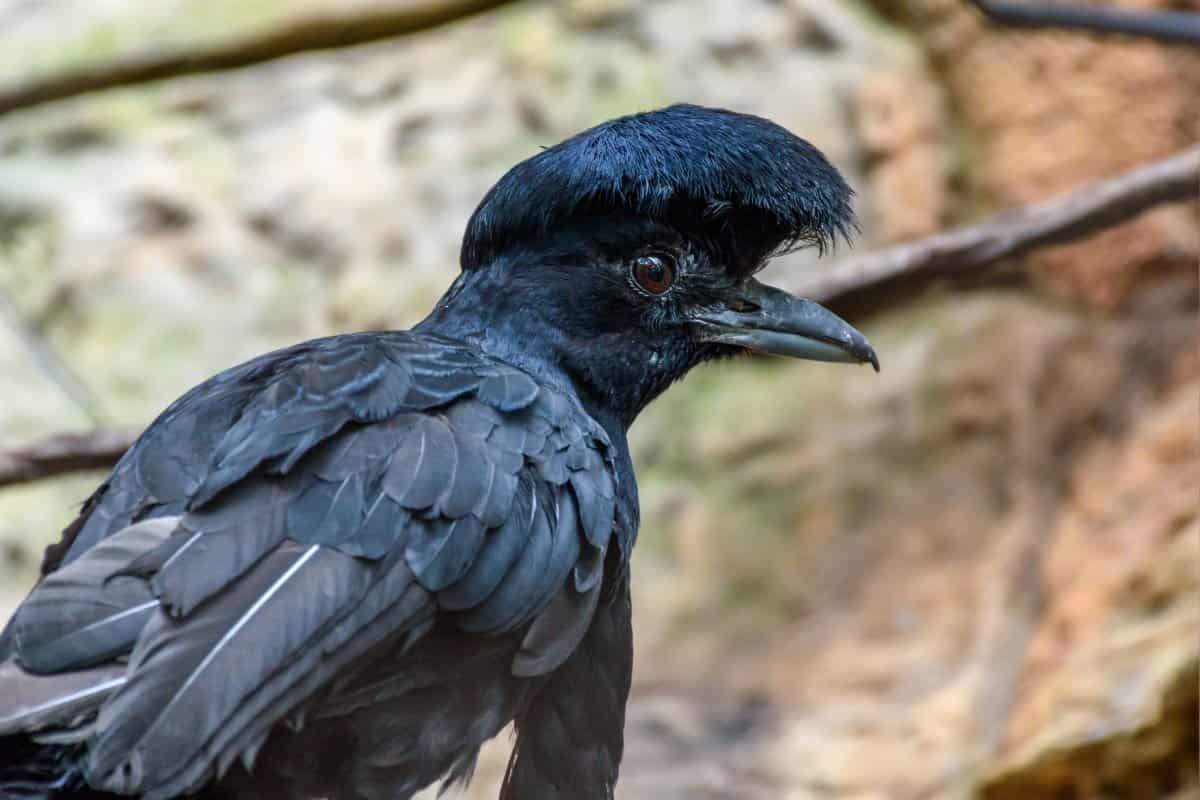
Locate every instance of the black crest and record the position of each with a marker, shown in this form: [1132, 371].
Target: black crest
[743, 183]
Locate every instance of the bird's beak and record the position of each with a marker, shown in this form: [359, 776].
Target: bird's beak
[762, 318]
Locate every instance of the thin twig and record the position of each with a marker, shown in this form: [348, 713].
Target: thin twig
[52, 364]
[873, 278]
[321, 30]
[1163, 25]
[61, 454]
[876, 276]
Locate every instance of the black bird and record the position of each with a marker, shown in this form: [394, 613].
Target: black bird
[336, 570]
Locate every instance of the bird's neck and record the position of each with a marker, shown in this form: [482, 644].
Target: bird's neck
[535, 327]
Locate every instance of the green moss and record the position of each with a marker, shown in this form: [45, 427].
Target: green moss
[722, 440]
[532, 38]
[227, 18]
[212, 163]
[867, 14]
[637, 84]
[728, 412]
[127, 110]
[28, 243]
[103, 41]
[131, 31]
[775, 457]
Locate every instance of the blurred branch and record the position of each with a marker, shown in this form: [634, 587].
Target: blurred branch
[1164, 25]
[61, 454]
[320, 30]
[882, 278]
[51, 363]
[874, 278]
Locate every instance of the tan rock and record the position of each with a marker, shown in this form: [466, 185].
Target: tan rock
[902, 131]
[1045, 112]
[1109, 691]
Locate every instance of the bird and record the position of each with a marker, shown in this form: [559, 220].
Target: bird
[338, 569]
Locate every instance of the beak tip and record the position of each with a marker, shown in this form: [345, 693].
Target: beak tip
[865, 353]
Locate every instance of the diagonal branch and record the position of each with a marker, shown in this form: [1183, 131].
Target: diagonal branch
[883, 279]
[872, 279]
[323, 30]
[51, 363]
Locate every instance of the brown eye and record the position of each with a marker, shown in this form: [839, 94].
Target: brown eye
[655, 274]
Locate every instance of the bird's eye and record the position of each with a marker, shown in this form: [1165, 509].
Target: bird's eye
[654, 274]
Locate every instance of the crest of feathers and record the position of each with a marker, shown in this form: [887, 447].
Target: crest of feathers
[746, 186]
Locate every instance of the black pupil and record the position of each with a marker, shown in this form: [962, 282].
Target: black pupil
[655, 271]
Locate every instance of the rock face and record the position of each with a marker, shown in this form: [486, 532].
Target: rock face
[1109, 694]
[958, 576]
[972, 575]
[902, 126]
[1043, 112]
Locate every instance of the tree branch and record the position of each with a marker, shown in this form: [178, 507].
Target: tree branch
[880, 278]
[883, 278]
[317, 31]
[1163, 25]
[61, 454]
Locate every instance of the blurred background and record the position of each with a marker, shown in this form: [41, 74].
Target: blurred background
[974, 575]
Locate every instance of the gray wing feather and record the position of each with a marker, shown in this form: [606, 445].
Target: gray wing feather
[556, 632]
[81, 616]
[186, 678]
[32, 702]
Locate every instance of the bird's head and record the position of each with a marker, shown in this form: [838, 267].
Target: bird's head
[625, 255]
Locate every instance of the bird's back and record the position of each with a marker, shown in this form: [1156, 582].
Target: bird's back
[296, 554]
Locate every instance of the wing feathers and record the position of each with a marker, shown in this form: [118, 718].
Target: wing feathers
[500, 550]
[440, 553]
[502, 610]
[82, 615]
[471, 478]
[322, 500]
[233, 536]
[556, 632]
[187, 676]
[408, 462]
[508, 390]
[32, 702]
[393, 604]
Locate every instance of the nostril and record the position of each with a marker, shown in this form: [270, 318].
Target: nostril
[744, 306]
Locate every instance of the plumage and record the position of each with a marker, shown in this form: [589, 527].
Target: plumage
[80, 615]
[440, 554]
[501, 547]
[502, 609]
[187, 678]
[756, 185]
[218, 545]
[423, 465]
[37, 701]
[553, 635]
[337, 569]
